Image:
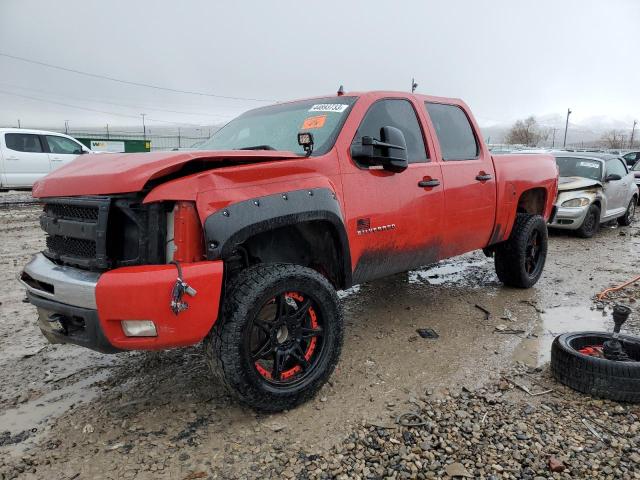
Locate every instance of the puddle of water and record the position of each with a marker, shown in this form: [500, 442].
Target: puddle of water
[536, 351]
[446, 272]
[36, 413]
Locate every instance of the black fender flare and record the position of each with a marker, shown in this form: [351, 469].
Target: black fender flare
[225, 229]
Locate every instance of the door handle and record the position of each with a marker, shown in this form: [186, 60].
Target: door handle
[483, 177]
[429, 183]
[12, 158]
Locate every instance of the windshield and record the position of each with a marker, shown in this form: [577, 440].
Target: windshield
[276, 127]
[579, 167]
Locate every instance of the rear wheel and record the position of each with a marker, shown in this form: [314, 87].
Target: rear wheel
[627, 218]
[591, 223]
[279, 338]
[520, 260]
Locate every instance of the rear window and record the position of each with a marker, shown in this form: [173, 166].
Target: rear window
[454, 131]
[23, 142]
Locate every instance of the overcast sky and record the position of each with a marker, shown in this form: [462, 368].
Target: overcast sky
[506, 58]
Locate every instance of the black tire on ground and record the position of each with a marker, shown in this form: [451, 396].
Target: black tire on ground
[590, 224]
[228, 347]
[599, 377]
[520, 260]
[627, 218]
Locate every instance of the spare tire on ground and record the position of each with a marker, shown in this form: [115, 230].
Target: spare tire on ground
[599, 377]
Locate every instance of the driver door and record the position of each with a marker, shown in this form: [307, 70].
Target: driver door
[393, 219]
[62, 150]
[615, 189]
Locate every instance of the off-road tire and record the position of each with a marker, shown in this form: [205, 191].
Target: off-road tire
[224, 345]
[627, 218]
[589, 228]
[599, 377]
[510, 255]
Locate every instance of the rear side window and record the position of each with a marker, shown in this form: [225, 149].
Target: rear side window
[23, 142]
[63, 145]
[616, 166]
[394, 113]
[457, 141]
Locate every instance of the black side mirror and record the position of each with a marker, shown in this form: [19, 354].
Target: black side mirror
[390, 152]
[612, 176]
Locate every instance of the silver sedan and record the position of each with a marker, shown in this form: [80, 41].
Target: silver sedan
[594, 188]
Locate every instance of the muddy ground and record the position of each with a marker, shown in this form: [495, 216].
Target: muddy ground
[66, 412]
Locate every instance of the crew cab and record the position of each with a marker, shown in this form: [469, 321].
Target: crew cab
[244, 243]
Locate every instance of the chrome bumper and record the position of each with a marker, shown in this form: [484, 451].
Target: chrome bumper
[569, 218]
[62, 284]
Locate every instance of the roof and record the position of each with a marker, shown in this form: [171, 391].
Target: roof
[27, 130]
[589, 155]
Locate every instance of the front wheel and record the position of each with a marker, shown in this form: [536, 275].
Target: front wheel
[279, 337]
[520, 260]
[627, 218]
[591, 223]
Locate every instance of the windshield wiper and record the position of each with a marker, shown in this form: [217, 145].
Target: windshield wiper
[257, 147]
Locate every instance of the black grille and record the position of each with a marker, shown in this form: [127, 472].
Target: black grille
[71, 247]
[74, 212]
[99, 233]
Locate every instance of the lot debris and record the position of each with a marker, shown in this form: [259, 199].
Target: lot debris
[487, 313]
[427, 333]
[604, 293]
[504, 329]
[556, 465]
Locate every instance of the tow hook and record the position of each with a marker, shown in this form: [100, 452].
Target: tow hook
[612, 349]
[179, 289]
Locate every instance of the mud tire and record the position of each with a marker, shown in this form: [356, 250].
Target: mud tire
[590, 224]
[627, 218]
[510, 256]
[224, 348]
[598, 377]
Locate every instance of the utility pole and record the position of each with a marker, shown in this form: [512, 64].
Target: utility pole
[566, 126]
[144, 127]
[633, 130]
[107, 131]
[178, 137]
[66, 127]
[414, 85]
[553, 139]
[19, 123]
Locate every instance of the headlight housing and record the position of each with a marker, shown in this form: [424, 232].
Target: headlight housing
[576, 202]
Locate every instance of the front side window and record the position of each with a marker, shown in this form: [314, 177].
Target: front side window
[579, 167]
[396, 113]
[63, 145]
[454, 131]
[23, 142]
[276, 127]
[616, 166]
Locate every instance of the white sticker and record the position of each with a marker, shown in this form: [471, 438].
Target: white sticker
[329, 107]
[590, 164]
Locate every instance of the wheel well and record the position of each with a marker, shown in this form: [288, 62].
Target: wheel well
[314, 244]
[532, 201]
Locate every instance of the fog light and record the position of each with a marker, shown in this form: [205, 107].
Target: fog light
[139, 328]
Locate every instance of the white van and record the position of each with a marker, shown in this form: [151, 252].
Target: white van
[27, 155]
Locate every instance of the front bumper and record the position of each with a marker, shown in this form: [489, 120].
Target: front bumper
[87, 308]
[569, 218]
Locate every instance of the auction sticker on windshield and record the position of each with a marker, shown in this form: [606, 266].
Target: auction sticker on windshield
[590, 164]
[314, 122]
[329, 107]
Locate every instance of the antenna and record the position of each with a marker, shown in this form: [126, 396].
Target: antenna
[414, 85]
[340, 91]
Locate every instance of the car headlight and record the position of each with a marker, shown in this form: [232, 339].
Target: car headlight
[576, 202]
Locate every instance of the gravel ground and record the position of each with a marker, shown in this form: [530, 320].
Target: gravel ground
[68, 413]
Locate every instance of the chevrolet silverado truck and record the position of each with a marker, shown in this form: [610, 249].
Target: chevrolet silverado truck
[243, 244]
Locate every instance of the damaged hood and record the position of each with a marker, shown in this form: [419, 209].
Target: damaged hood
[129, 172]
[576, 183]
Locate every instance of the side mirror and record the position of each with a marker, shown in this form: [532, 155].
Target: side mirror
[612, 176]
[390, 152]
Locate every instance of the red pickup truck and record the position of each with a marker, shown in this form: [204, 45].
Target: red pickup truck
[244, 243]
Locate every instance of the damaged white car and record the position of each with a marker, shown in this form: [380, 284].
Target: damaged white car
[594, 188]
